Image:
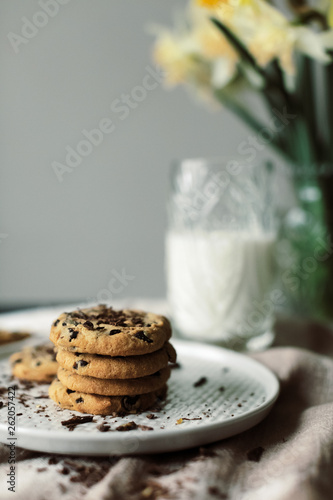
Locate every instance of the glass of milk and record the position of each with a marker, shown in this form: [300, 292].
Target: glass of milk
[219, 252]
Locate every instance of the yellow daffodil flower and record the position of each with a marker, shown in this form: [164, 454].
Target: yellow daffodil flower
[213, 4]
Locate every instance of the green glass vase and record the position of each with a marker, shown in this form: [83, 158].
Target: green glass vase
[305, 246]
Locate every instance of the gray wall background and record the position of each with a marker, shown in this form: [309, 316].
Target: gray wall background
[65, 240]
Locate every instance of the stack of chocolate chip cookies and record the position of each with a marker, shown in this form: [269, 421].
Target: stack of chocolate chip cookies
[111, 362]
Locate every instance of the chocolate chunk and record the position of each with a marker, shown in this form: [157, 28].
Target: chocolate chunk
[53, 461]
[103, 427]
[74, 421]
[69, 391]
[75, 366]
[175, 366]
[56, 322]
[1, 404]
[79, 400]
[114, 332]
[200, 382]
[222, 388]
[131, 402]
[83, 363]
[127, 427]
[145, 427]
[100, 328]
[141, 335]
[17, 361]
[64, 471]
[79, 314]
[255, 454]
[151, 416]
[88, 325]
[73, 334]
[120, 323]
[64, 324]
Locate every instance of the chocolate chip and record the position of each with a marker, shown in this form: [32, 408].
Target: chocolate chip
[78, 314]
[56, 322]
[79, 400]
[89, 325]
[100, 328]
[148, 325]
[103, 427]
[83, 363]
[131, 402]
[114, 332]
[141, 335]
[64, 324]
[18, 361]
[1, 404]
[200, 382]
[38, 363]
[75, 366]
[69, 391]
[73, 334]
[120, 323]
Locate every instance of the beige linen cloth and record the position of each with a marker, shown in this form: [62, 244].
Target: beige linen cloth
[288, 456]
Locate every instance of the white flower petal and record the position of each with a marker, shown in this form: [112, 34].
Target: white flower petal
[223, 72]
[311, 44]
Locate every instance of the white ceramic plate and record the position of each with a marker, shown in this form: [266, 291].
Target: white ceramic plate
[238, 394]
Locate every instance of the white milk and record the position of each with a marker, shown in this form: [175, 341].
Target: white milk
[218, 283]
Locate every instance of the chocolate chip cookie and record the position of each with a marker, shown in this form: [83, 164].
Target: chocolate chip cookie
[35, 363]
[103, 330]
[7, 337]
[103, 405]
[114, 387]
[120, 367]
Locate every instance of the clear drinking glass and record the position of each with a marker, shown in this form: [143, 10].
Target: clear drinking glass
[220, 252]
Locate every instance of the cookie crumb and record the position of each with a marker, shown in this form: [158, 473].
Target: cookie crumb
[127, 427]
[145, 427]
